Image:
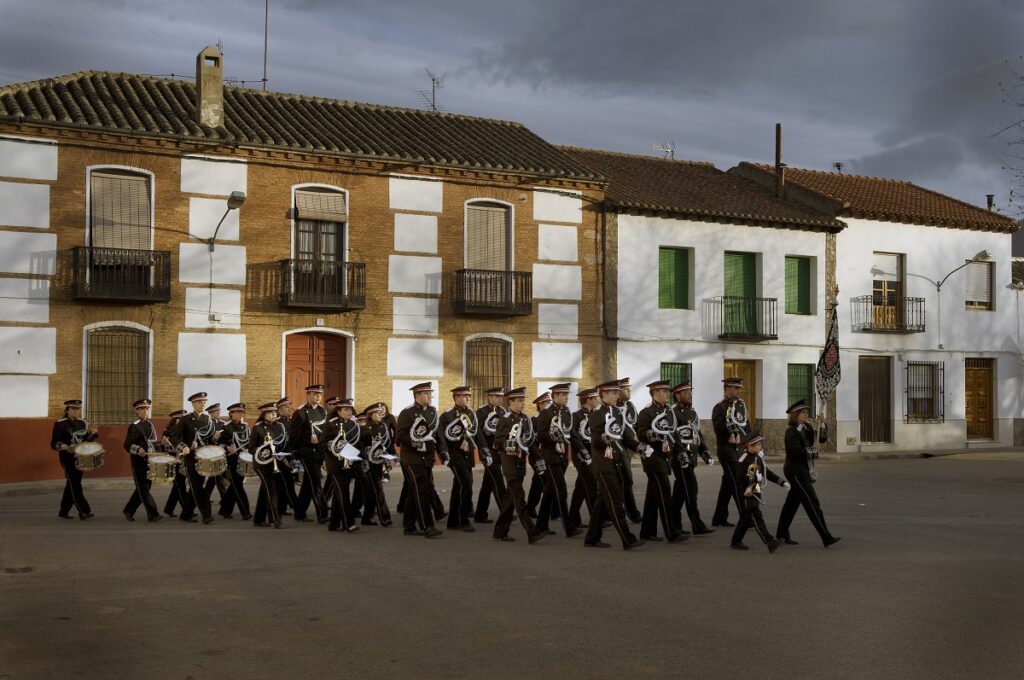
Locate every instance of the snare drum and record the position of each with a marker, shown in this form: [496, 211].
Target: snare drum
[89, 456]
[162, 468]
[211, 461]
[246, 465]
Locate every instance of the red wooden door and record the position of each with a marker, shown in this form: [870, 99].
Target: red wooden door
[312, 358]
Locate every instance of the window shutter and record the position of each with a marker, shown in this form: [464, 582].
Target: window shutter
[673, 278]
[487, 237]
[488, 364]
[120, 211]
[321, 206]
[885, 267]
[979, 283]
[740, 275]
[676, 373]
[801, 384]
[798, 285]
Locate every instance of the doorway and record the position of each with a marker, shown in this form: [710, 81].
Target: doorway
[978, 398]
[747, 371]
[315, 358]
[875, 399]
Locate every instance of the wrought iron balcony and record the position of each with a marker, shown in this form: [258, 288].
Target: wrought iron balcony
[880, 313]
[742, 319]
[493, 293]
[321, 284]
[121, 274]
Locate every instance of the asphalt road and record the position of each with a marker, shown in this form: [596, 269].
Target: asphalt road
[928, 582]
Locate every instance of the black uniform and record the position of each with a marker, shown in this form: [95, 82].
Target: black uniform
[514, 444]
[799, 471]
[140, 440]
[377, 441]
[656, 426]
[629, 412]
[751, 473]
[554, 428]
[71, 432]
[304, 424]
[264, 440]
[194, 431]
[728, 433]
[179, 488]
[585, 489]
[690, 446]
[418, 439]
[609, 430]
[493, 483]
[462, 443]
[284, 480]
[235, 439]
[222, 481]
[341, 472]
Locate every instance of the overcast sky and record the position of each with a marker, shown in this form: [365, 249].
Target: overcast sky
[906, 89]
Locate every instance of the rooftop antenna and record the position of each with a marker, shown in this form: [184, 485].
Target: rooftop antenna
[667, 148]
[429, 99]
[839, 165]
[266, 32]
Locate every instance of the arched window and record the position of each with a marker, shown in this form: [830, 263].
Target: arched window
[488, 364]
[116, 372]
[488, 236]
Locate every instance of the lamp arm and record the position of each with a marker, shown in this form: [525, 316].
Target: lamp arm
[217, 230]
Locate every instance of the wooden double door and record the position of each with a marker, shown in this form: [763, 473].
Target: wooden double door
[874, 398]
[979, 398]
[315, 358]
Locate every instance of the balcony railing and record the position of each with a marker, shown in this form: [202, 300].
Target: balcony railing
[887, 314]
[493, 293]
[323, 285]
[121, 274]
[742, 318]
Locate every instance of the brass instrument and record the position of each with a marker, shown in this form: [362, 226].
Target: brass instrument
[265, 452]
[512, 441]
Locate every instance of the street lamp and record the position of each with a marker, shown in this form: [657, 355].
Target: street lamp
[235, 201]
[981, 256]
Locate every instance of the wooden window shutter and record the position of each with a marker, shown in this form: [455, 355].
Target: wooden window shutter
[798, 285]
[740, 275]
[676, 373]
[320, 206]
[673, 278]
[800, 384]
[978, 277]
[487, 237]
[120, 211]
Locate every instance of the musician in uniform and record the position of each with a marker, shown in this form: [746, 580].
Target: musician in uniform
[223, 480]
[493, 483]
[266, 436]
[140, 441]
[304, 436]
[340, 435]
[463, 438]
[729, 418]
[554, 430]
[629, 412]
[418, 442]
[194, 431]
[68, 432]
[684, 464]
[284, 480]
[801, 452]
[751, 474]
[533, 497]
[513, 440]
[235, 439]
[585, 489]
[656, 426]
[378, 444]
[392, 424]
[179, 490]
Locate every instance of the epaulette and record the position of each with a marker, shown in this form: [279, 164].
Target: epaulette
[137, 421]
[62, 420]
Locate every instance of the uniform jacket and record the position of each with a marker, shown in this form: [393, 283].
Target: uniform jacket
[453, 431]
[727, 452]
[418, 431]
[609, 421]
[142, 434]
[70, 432]
[303, 424]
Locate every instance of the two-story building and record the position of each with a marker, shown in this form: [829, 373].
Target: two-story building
[160, 237]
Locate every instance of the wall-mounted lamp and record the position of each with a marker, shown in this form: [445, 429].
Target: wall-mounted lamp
[235, 201]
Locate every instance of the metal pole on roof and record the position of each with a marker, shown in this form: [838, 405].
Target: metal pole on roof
[266, 31]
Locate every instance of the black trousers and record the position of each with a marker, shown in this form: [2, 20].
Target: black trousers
[73, 495]
[585, 491]
[727, 492]
[610, 506]
[339, 488]
[312, 489]
[750, 516]
[684, 496]
[460, 505]
[626, 482]
[197, 497]
[179, 491]
[556, 496]
[419, 509]
[436, 504]
[514, 500]
[658, 501]
[266, 501]
[801, 492]
[284, 481]
[493, 485]
[235, 494]
[536, 492]
[375, 503]
[141, 495]
[221, 482]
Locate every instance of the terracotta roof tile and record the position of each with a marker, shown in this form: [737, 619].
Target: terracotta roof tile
[696, 190]
[158, 106]
[891, 200]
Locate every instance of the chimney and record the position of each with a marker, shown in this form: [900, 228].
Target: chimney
[780, 169]
[991, 198]
[210, 87]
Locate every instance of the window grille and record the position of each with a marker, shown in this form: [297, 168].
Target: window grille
[488, 364]
[924, 392]
[117, 373]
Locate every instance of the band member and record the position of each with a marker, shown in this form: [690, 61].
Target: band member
[341, 434]
[554, 431]
[537, 480]
[140, 441]
[392, 424]
[610, 436]
[179, 489]
[629, 412]
[68, 432]
[235, 439]
[194, 431]
[376, 438]
[418, 442]
[493, 483]
[514, 438]
[304, 435]
[266, 436]
[690, 446]
[656, 426]
[801, 452]
[285, 477]
[729, 418]
[223, 480]
[751, 472]
[463, 438]
[585, 489]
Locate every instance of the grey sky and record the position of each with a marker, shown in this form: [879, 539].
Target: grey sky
[906, 89]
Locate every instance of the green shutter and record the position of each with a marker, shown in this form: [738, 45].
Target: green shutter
[801, 384]
[673, 278]
[741, 275]
[676, 373]
[798, 285]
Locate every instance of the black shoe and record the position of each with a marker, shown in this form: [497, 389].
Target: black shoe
[330, 528]
[635, 519]
[505, 539]
[86, 515]
[774, 544]
[583, 525]
[190, 520]
[261, 524]
[387, 523]
[484, 521]
[790, 541]
[277, 524]
[573, 533]
[433, 532]
[547, 532]
[155, 519]
[655, 539]
[703, 532]
[679, 539]
[832, 540]
[413, 532]
[64, 516]
[225, 515]
[369, 523]
[531, 513]
[738, 546]
[725, 523]
[607, 523]
[636, 544]
[684, 532]
[207, 520]
[468, 528]
[286, 514]
[130, 518]
[352, 529]
[536, 536]
[303, 519]
[596, 544]
[247, 517]
[170, 514]
[441, 516]
[323, 520]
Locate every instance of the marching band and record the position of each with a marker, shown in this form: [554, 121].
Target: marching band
[199, 452]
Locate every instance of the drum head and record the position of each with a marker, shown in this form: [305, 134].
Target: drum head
[245, 456]
[89, 448]
[211, 452]
[163, 460]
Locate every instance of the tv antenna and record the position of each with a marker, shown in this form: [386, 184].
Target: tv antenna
[429, 99]
[667, 148]
[839, 165]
